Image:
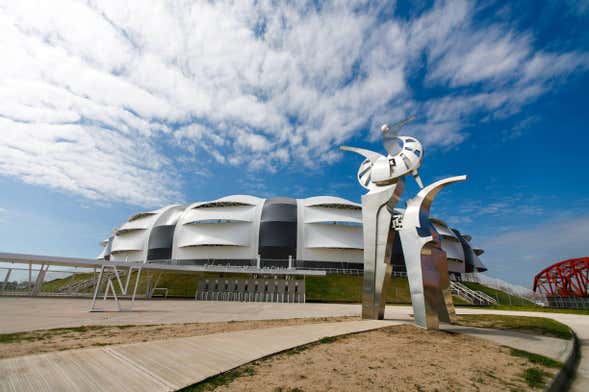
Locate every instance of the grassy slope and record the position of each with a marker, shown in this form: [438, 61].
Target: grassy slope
[330, 288]
[501, 297]
[345, 288]
[54, 285]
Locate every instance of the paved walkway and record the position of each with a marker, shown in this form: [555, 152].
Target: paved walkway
[19, 314]
[26, 314]
[165, 365]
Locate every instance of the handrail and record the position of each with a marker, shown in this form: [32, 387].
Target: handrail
[472, 296]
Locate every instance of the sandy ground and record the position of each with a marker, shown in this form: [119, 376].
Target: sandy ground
[42, 341]
[400, 358]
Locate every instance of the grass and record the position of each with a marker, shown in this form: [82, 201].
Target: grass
[55, 285]
[348, 289]
[534, 308]
[44, 334]
[212, 383]
[536, 378]
[330, 288]
[537, 359]
[534, 325]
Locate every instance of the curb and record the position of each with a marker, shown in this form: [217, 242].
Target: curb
[564, 377]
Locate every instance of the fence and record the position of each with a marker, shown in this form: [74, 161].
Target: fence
[514, 294]
[27, 279]
[251, 290]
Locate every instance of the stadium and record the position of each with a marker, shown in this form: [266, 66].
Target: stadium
[317, 233]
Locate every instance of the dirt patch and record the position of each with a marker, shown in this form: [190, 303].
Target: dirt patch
[43, 341]
[399, 358]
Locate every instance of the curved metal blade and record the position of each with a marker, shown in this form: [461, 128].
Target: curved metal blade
[370, 155]
[392, 130]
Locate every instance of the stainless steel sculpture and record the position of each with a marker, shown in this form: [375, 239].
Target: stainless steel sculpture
[427, 267]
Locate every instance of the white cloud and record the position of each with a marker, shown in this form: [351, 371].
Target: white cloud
[95, 94]
[519, 255]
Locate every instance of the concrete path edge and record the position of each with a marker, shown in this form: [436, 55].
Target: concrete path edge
[564, 378]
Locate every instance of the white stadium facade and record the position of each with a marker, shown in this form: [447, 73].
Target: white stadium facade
[316, 233]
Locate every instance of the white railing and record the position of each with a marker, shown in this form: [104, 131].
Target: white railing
[472, 296]
[510, 289]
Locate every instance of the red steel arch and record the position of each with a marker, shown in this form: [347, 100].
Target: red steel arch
[568, 278]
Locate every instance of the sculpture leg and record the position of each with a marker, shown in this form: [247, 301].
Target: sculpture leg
[448, 314]
[422, 274]
[423, 257]
[378, 244]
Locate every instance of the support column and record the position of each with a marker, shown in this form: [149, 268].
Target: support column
[40, 279]
[8, 272]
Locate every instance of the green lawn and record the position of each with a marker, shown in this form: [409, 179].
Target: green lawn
[535, 308]
[329, 288]
[533, 325]
[55, 285]
[348, 289]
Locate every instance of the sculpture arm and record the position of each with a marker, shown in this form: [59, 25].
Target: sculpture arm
[370, 155]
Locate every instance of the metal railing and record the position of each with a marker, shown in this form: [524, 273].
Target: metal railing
[516, 295]
[472, 296]
[568, 302]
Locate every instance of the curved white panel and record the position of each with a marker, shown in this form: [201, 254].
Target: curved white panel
[134, 240]
[245, 199]
[240, 213]
[131, 239]
[143, 222]
[337, 255]
[327, 200]
[170, 216]
[456, 266]
[478, 265]
[453, 249]
[234, 234]
[130, 256]
[443, 229]
[189, 245]
[333, 236]
[322, 214]
[141, 215]
[204, 252]
[478, 251]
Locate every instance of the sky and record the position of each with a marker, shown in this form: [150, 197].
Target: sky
[108, 108]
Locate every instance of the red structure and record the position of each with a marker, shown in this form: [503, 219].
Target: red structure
[567, 278]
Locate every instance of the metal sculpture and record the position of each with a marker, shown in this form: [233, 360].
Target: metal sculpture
[568, 278]
[427, 267]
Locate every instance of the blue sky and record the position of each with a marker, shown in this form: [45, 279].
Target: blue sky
[108, 109]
